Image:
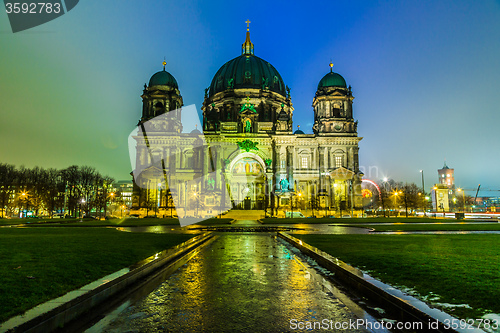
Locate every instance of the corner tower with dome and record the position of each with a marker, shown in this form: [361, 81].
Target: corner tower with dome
[248, 141]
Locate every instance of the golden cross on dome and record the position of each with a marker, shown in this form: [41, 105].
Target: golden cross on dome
[248, 24]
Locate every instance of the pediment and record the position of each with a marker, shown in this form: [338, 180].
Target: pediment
[341, 173]
[152, 172]
[247, 112]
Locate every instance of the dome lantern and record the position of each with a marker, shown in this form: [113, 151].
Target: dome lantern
[247, 47]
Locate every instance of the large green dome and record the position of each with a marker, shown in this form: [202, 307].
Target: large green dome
[332, 80]
[163, 78]
[247, 71]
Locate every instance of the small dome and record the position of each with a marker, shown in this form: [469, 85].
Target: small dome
[298, 131]
[195, 131]
[163, 78]
[332, 80]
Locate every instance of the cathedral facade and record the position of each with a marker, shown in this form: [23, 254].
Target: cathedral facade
[246, 155]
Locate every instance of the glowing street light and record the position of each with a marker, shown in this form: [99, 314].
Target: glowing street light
[82, 202]
[23, 195]
[396, 193]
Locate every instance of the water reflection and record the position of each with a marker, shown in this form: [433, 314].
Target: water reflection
[326, 229]
[437, 232]
[297, 228]
[239, 283]
[162, 229]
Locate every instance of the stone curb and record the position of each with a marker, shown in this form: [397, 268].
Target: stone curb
[62, 310]
[353, 278]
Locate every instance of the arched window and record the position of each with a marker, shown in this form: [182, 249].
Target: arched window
[188, 159]
[338, 156]
[159, 109]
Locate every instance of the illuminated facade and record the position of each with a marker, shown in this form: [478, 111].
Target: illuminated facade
[248, 140]
[447, 176]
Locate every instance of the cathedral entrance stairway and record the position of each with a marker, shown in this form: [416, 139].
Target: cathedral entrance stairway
[245, 214]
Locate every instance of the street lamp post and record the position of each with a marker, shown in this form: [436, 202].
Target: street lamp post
[298, 203]
[395, 202]
[385, 193]
[159, 198]
[352, 196]
[81, 208]
[324, 195]
[423, 191]
[112, 195]
[25, 203]
[463, 199]
[197, 202]
[266, 189]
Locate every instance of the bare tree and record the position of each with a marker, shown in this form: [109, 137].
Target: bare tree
[8, 176]
[53, 190]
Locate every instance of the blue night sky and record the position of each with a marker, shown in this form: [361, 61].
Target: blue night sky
[425, 76]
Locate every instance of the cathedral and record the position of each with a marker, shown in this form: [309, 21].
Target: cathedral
[247, 154]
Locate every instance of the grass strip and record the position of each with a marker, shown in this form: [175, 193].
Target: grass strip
[39, 264]
[461, 269]
[434, 227]
[355, 220]
[125, 222]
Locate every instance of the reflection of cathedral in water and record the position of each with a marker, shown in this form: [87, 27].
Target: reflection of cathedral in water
[248, 140]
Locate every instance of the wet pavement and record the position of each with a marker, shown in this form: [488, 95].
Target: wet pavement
[245, 282]
[297, 228]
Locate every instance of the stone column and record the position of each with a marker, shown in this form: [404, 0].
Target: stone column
[351, 159]
[320, 160]
[290, 165]
[277, 165]
[313, 158]
[173, 161]
[356, 159]
[325, 156]
[205, 160]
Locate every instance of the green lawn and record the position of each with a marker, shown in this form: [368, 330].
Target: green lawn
[435, 227]
[461, 269]
[354, 220]
[63, 259]
[125, 222]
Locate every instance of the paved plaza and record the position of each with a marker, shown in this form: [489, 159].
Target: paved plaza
[244, 282]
